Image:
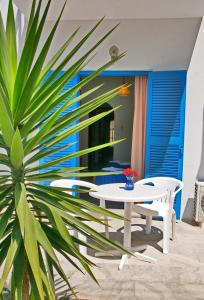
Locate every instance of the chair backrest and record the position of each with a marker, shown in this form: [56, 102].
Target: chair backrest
[69, 183]
[172, 185]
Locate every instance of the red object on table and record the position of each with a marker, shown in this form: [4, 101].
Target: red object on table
[130, 172]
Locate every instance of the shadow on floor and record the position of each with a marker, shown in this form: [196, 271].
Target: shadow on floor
[138, 238]
[190, 222]
[188, 211]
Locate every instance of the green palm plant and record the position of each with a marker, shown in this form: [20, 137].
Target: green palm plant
[35, 220]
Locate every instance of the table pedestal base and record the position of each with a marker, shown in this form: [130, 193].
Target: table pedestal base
[115, 192]
[139, 255]
[125, 257]
[127, 240]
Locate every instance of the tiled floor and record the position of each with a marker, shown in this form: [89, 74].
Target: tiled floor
[178, 275]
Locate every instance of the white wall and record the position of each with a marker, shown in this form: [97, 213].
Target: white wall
[3, 8]
[19, 17]
[123, 117]
[163, 44]
[194, 134]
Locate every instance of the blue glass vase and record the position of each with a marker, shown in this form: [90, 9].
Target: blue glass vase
[129, 186]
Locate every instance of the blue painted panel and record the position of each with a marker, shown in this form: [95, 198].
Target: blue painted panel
[74, 138]
[165, 126]
[116, 73]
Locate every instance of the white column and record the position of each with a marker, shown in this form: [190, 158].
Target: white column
[193, 166]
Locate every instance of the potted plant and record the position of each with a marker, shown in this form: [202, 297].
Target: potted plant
[130, 175]
[35, 220]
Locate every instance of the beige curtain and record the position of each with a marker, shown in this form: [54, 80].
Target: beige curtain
[139, 126]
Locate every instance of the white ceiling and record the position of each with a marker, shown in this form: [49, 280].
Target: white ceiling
[121, 9]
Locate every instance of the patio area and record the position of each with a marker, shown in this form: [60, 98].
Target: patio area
[101, 116]
[178, 275]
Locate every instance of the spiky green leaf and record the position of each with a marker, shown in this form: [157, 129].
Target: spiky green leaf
[17, 152]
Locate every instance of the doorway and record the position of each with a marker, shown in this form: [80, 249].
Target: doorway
[117, 125]
[101, 132]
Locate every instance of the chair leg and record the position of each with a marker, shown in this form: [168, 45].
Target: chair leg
[103, 205]
[173, 226]
[148, 224]
[166, 235]
[80, 236]
[82, 249]
[75, 233]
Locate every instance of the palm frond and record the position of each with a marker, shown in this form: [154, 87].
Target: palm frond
[36, 117]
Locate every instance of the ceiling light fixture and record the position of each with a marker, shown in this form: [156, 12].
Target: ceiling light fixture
[124, 90]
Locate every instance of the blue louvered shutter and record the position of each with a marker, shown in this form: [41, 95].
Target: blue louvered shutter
[72, 139]
[165, 126]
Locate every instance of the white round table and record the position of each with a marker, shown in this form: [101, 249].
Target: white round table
[116, 192]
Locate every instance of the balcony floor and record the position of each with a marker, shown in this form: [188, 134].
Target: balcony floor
[178, 275]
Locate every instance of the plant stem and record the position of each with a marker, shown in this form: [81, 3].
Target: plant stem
[26, 281]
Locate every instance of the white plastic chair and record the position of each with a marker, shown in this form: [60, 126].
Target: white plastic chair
[162, 208]
[69, 183]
